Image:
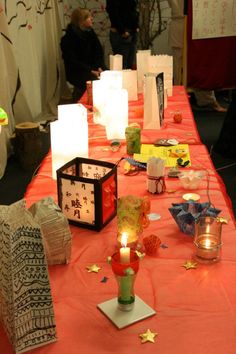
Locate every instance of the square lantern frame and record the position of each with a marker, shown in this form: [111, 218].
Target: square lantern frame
[87, 192]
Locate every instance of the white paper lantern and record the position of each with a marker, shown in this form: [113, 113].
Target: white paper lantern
[116, 62]
[116, 114]
[113, 78]
[151, 105]
[130, 83]
[69, 135]
[162, 63]
[108, 80]
[99, 88]
[142, 66]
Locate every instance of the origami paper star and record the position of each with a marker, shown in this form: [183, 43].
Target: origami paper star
[189, 265]
[222, 220]
[148, 336]
[163, 245]
[93, 268]
[186, 214]
[104, 280]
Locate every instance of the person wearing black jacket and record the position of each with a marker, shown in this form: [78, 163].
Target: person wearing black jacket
[82, 52]
[124, 19]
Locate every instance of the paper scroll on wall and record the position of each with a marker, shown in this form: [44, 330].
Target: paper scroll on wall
[26, 307]
[162, 63]
[142, 66]
[213, 19]
[116, 62]
[153, 101]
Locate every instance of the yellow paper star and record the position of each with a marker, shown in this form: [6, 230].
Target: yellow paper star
[222, 220]
[93, 268]
[189, 265]
[148, 336]
[139, 254]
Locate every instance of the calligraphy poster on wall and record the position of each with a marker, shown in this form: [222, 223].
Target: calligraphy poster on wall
[213, 18]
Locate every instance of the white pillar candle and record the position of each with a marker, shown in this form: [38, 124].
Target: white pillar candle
[124, 250]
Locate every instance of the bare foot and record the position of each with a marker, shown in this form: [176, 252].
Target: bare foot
[218, 108]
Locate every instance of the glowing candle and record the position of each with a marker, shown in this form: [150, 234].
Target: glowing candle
[124, 250]
[207, 239]
[207, 243]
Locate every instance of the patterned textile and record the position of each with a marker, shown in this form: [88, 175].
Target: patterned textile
[55, 230]
[26, 308]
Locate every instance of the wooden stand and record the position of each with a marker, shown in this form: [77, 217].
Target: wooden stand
[27, 144]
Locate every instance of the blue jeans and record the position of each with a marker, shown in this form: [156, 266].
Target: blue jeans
[125, 47]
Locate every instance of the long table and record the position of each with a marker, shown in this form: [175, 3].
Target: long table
[195, 309]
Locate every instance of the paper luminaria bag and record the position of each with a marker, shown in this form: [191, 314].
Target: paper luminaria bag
[87, 192]
[26, 305]
[153, 101]
[162, 63]
[55, 229]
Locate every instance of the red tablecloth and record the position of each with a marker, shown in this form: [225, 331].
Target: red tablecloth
[196, 309]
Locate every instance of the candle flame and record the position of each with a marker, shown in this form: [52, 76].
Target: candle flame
[124, 239]
[207, 229]
[207, 242]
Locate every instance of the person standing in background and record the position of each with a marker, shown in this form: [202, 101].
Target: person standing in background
[176, 38]
[205, 99]
[82, 52]
[124, 19]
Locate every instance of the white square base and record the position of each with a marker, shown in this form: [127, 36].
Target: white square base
[123, 319]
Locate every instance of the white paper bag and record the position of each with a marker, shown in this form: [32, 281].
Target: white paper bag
[116, 62]
[130, 84]
[162, 63]
[55, 230]
[153, 107]
[26, 307]
[142, 66]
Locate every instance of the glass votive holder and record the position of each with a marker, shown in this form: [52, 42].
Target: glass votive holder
[190, 179]
[207, 239]
[125, 274]
[133, 139]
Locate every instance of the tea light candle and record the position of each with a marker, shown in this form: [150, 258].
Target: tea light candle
[207, 247]
[124, 250]
[207, 239]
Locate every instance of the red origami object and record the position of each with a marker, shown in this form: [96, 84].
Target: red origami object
[151, 244]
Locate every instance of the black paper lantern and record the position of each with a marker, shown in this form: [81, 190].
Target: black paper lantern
[87, 192]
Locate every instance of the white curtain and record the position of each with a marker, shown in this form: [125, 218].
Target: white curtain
[31, 68]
